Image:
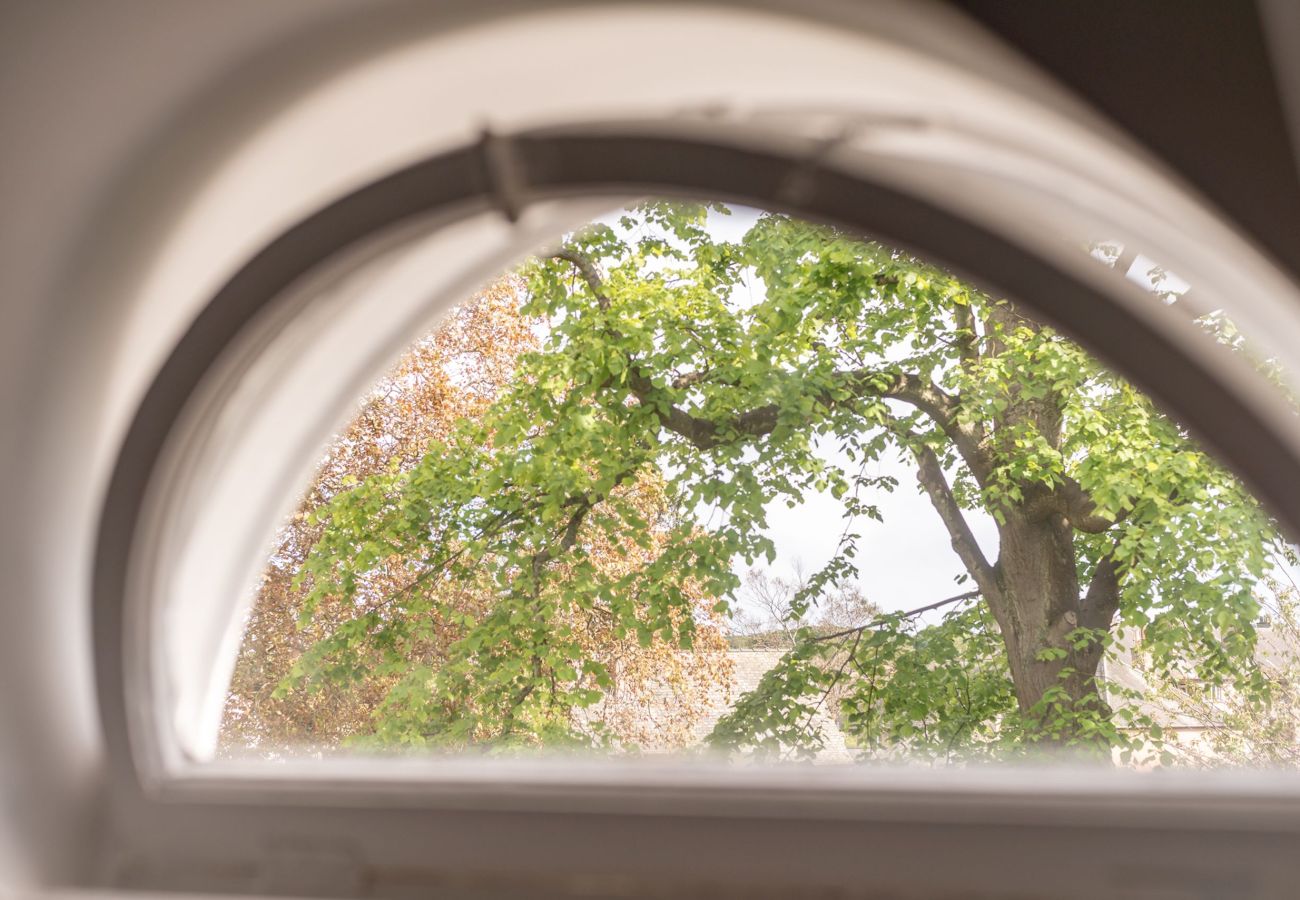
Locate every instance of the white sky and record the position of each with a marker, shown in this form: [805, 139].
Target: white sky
[905, 561]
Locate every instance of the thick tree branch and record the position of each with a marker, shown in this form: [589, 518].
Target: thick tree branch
[1101, 601]
[942, 408]
[706, 434]
[567, 540]
[935, 484]
[703, 434]
[1082, 511]
[1071, 501]
[587, 269]
[967, 342]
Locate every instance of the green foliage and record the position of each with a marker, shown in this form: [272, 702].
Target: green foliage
[949, 692]
[723, 370]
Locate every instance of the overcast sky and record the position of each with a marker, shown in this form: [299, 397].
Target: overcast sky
[905, 561]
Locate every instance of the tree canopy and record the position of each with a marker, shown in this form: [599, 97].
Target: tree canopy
[448, 377]
[678, 386]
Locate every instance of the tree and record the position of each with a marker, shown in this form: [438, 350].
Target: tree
[448, 377]
[766, 617]
[722, 371]
[1230, 727]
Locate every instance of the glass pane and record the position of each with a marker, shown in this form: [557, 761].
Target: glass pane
[711, 481]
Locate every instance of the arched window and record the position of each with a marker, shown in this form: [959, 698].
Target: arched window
[299, 314]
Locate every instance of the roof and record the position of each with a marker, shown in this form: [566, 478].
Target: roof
[1274, 649]
[747, 668]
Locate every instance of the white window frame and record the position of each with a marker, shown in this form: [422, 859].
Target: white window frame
[996, 211]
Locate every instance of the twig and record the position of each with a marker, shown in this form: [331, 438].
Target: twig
[911, 613]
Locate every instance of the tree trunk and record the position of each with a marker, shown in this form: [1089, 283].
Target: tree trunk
[1037, 606]
[1036, 598]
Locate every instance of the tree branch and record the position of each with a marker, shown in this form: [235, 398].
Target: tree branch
[706, 434]
[935, 484]
[942, 408]
[1070, 500]
[568, 538]
[1102, 598]
[587, 269]
[910, 614]
[916, 390]
[967, 342]
[1081, 510]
